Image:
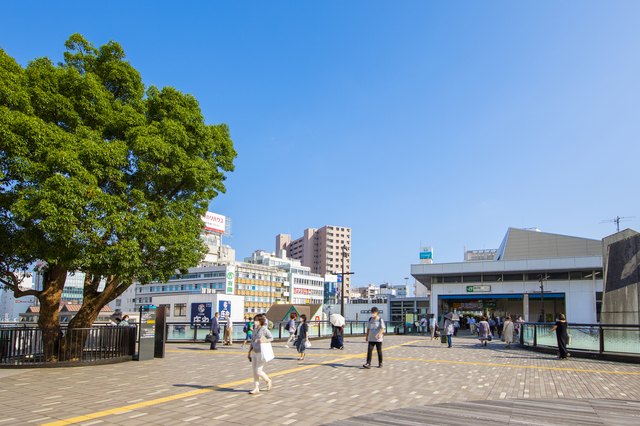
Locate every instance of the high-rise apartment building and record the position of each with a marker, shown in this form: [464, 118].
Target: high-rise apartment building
[321, 250]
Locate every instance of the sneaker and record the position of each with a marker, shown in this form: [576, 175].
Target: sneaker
[242, 347]
[367, 366]
[286, 346]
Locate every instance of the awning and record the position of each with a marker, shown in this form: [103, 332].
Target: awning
[485, 296]
[480, 296]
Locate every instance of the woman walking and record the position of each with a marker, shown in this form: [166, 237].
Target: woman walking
[248, 328]
[302, 336]
[562, 335]
[483, 331]
[336, 338]
[375, 331]
[508, 330]
[260, 335]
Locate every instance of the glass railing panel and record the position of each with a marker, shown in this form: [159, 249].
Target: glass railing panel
[528, 331]
[179, 332]
[585, 338]
[544, 337]
[623, 340]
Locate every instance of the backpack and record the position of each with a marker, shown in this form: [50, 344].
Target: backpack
[245, 329]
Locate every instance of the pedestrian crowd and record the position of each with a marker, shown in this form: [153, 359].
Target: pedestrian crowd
[258, 335]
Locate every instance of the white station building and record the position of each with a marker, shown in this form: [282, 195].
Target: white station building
[569, 269]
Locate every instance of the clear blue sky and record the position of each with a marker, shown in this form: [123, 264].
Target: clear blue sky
[413, 122]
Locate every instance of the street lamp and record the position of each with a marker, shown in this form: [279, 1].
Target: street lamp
[541, 278]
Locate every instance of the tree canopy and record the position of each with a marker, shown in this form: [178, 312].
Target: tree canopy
[100, 175]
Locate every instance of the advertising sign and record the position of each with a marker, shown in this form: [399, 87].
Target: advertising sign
[201, 313]
[426, 253]
[214, 222]
[224, 307]
[231, 280]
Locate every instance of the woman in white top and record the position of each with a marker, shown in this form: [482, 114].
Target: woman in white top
[261, 334]
[507, 331]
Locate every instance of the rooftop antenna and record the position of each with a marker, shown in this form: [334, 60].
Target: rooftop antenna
[617, 221]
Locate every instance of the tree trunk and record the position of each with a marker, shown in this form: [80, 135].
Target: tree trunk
[93, 302]
[49, 321]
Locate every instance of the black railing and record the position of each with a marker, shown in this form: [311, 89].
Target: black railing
[614, 339]
[32, 346]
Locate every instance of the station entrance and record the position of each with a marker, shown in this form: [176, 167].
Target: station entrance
[493, 305]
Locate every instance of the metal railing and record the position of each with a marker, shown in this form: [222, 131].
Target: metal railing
[615, 339]
[32, 346]
[195, 332]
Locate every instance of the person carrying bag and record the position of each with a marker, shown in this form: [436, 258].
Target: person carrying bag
[260, 338]
[302, 337]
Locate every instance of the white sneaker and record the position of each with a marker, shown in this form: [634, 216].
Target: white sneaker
[286, 346]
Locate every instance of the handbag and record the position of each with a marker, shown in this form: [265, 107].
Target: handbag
[307, 344]
[444, 339]
[490, 338]
[266, 352]
[208, 338]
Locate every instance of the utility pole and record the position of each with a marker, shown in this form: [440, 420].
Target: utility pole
[345, 254]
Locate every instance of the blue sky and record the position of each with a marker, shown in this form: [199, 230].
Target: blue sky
[414, 123]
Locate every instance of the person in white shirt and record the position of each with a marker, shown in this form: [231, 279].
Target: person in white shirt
[423, 326]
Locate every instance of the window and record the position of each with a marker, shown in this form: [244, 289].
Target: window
[180, 310]
[453, 279]
[472, 278]
[492, 278]
[558, 276]
[512, 277]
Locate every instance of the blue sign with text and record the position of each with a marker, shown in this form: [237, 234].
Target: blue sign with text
[201, 314]
[224, 307]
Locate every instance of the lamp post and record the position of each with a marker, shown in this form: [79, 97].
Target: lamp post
[541, 297]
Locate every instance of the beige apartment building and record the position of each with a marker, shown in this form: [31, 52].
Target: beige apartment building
[320, 250]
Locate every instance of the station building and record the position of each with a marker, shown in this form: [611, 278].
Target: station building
[568, 268]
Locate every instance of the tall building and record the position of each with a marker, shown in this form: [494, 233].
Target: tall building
[321, 250]
[10, 307]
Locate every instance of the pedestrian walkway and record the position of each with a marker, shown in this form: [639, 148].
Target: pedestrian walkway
[197, 386]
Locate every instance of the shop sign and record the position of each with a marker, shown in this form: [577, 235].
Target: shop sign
[478, 288]
[230, 285]
[472, 305]
[489, 304]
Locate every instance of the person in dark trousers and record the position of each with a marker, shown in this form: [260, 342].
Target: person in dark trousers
[302, 336]
[562, 335]
[215, 331]
[375, 332]
[336, 338]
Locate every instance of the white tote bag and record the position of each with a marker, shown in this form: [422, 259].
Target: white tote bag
[266, 352]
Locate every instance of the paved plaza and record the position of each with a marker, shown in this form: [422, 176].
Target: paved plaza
[196, 385]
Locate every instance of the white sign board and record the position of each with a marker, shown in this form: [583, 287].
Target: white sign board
[230, 280]
[214, 222]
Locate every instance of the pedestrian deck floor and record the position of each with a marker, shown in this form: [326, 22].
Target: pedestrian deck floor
[422, 382]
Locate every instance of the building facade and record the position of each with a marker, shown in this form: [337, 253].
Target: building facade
[569, 270]
[10, 307]
[321, 250]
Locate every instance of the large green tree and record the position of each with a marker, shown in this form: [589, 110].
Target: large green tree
[101, 176]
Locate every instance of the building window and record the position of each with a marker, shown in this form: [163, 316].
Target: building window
[180, 310]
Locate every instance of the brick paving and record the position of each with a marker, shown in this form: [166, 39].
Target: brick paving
[327, 386]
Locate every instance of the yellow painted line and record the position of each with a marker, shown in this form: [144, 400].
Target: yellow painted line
[207, 352]
[130, 407]
[515, 366]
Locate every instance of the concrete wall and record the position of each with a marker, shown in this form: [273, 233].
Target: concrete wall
[621, 298]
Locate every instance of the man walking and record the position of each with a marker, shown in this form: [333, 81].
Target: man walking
[375, 331]
[423, 326]
[472, 325]
[291, 328]
[215, 331]
[228, 333]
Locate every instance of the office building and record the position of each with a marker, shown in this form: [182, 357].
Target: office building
[568, 268]
[321, 250]
[10, 307]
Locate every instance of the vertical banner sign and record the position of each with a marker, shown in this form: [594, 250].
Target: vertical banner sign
[224, 307]
[231, 280]
[201, 314]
